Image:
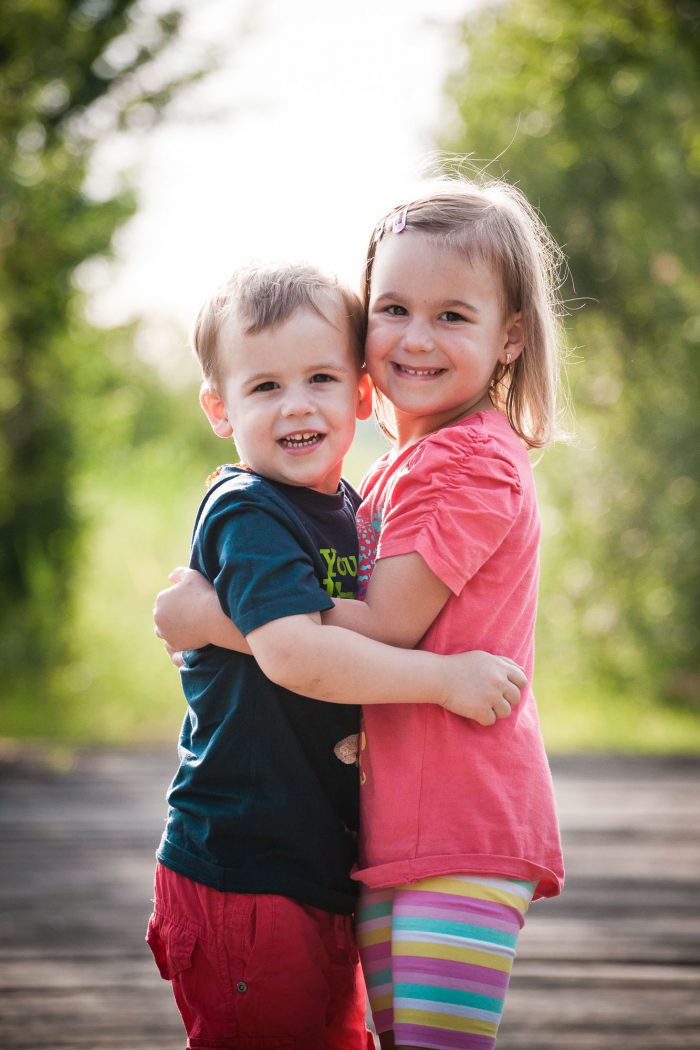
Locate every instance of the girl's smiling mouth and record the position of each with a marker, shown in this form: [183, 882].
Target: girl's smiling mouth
[417, 373]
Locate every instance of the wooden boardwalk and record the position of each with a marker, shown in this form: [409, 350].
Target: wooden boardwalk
[613, 963]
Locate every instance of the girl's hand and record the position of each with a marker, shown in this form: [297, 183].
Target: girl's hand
[188, 616]
[182, 611]
[481, 686]
[175, 656]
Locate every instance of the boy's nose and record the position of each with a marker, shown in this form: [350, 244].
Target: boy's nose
[297, 403]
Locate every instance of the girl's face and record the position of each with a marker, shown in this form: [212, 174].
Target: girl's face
[436, 332]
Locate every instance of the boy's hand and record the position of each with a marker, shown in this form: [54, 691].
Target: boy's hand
[481, 686]
[180, 611]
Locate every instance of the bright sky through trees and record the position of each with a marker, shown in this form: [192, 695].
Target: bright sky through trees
[317, 118]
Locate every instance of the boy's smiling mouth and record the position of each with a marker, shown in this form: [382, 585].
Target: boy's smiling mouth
[418, 373]
[301, 440]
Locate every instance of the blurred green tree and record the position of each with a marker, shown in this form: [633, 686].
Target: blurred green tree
[70, 73]
[592, 108]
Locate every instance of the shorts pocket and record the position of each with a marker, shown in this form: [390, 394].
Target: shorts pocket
[172, 944]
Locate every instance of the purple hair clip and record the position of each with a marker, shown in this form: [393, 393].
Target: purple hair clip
[400, 221]
[379, 231]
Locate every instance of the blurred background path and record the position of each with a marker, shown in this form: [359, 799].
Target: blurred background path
[614, 962]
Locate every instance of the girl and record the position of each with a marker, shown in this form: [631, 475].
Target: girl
[459, 830]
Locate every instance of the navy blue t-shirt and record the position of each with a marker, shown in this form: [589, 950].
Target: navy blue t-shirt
[266, 796]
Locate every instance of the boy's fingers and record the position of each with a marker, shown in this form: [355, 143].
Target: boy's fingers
[517, 676]
[176, 575]
[511, 693]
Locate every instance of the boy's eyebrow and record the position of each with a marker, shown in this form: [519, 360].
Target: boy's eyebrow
[257, 377]
[393, 296]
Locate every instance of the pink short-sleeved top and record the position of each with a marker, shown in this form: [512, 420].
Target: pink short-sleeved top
[442, 794]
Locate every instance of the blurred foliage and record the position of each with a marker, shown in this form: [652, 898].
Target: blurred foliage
[70, 73]
[592, 108]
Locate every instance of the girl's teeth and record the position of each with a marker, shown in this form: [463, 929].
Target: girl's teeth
[420, 371]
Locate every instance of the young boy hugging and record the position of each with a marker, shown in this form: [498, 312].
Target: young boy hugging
[253, 906]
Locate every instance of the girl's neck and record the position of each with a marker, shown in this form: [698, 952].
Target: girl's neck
[412, 429]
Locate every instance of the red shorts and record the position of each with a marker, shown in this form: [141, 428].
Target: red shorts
[257, 971]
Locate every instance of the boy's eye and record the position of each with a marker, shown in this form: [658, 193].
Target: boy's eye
[452, 316]
[269, 384]
[395, 310]
[322, 377]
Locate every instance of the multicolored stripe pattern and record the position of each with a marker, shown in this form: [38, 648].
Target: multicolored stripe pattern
[437, 957]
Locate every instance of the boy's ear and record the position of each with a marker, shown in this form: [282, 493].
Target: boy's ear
[515, 339]
[364, 396]
[215, 411]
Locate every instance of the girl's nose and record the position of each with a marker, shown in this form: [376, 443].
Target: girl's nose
[417, 338]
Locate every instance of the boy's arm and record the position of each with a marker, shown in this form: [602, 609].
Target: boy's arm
[337, 665]
[340, 666]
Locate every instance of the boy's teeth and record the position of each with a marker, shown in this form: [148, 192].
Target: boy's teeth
[300, 440]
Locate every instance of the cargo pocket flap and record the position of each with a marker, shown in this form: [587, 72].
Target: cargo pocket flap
[172, 945]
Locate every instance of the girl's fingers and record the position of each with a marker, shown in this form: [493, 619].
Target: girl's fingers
[176, 575]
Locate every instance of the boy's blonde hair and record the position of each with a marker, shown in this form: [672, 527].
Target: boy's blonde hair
[495, 223]
[261, 297]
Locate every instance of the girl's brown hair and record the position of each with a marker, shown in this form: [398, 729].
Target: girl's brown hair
[495, 223]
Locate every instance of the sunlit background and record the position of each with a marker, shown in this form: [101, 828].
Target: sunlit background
[317, 118]
[149, 148]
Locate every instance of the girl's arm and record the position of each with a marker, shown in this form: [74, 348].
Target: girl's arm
[403, 598]
[188, 616]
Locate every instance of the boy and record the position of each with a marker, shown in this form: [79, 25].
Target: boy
[253, 904]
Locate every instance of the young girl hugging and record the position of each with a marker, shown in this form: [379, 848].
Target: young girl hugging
[458, 823]
[458, 828]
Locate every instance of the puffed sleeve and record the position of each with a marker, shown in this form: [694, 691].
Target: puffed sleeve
[453, 502]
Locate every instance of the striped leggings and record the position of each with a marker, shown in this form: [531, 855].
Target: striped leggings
[437, 956]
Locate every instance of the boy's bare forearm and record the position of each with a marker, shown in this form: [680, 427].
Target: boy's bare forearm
[343, 667]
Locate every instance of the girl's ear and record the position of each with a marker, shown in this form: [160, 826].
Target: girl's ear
[515, 340]
[215, 411]
[365, 387]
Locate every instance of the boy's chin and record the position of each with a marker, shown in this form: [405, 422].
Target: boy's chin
[300, 478]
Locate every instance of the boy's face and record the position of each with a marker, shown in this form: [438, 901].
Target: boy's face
[290, 396]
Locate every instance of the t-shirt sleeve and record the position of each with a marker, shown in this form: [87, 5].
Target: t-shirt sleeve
[453, 502]
[259, 563]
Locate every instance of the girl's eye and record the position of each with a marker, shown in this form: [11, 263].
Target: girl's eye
[322, 377]
[395, 310]
[264, 387]
[452, 316]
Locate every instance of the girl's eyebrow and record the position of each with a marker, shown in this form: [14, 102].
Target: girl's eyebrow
[462, 303]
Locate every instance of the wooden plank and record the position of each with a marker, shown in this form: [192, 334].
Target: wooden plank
[614, 961]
